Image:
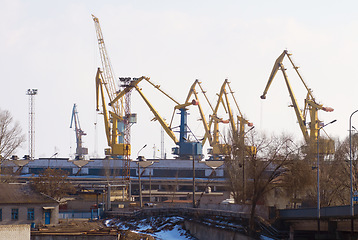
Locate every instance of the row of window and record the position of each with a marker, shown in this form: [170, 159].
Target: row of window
[15, 214]
[133, 172]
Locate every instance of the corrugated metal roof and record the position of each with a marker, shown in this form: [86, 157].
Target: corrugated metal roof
[21, 194]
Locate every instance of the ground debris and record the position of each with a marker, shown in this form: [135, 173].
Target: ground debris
[75, 227]
[129, 235]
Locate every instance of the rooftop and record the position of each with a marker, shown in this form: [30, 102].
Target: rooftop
[12, 193]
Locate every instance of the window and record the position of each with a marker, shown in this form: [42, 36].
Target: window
[30, 214]
[14, 214]
[0, 214]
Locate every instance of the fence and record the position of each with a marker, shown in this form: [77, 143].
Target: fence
[93, 214]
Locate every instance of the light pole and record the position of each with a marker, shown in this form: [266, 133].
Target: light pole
[140, 183]
[351, 175]
[141, 150]
[140, 158]
[318, 193]
[142, 163]
[194, 204]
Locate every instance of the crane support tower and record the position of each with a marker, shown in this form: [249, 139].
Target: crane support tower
[31, 93]
[80, 151]
[310, 128]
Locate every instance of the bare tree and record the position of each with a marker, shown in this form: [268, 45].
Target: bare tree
[298, 180]
[335, 176]
[11, 136]
[335, 180]
[263, 170]
[54, 183]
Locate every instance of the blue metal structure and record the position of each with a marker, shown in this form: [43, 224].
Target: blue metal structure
[186, 149]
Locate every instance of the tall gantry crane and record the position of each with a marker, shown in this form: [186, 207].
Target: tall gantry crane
[80, 151]
[308, 129]
[106, 87]
[118, 119]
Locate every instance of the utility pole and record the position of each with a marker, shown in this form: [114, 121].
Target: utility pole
[162, 154]
[31, 93]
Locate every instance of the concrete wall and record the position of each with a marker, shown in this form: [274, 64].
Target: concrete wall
[74, 237]
[336, 211]
[15, 232]
[204, 232]
[261, 210]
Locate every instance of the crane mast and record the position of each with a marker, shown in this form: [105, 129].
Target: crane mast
[308, 129]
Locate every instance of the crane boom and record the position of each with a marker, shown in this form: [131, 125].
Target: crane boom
[134, 84]
[107, 69]
[158, 117]
[193, 91]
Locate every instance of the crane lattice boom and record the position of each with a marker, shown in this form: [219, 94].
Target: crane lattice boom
[107, 70]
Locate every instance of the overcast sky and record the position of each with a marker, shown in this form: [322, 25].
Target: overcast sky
[52, 46]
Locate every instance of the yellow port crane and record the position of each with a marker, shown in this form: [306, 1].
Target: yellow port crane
[308, 129]
[193, 91]
[237, 125]
[186, 148]
[106, 87]
[219, 150]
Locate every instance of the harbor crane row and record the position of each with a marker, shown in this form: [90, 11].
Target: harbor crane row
[308, 129]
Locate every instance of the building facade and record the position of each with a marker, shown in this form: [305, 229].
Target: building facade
[19, 204]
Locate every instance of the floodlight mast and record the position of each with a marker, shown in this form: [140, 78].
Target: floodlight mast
[31, 93]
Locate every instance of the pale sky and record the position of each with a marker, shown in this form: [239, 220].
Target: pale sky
[52, 46]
